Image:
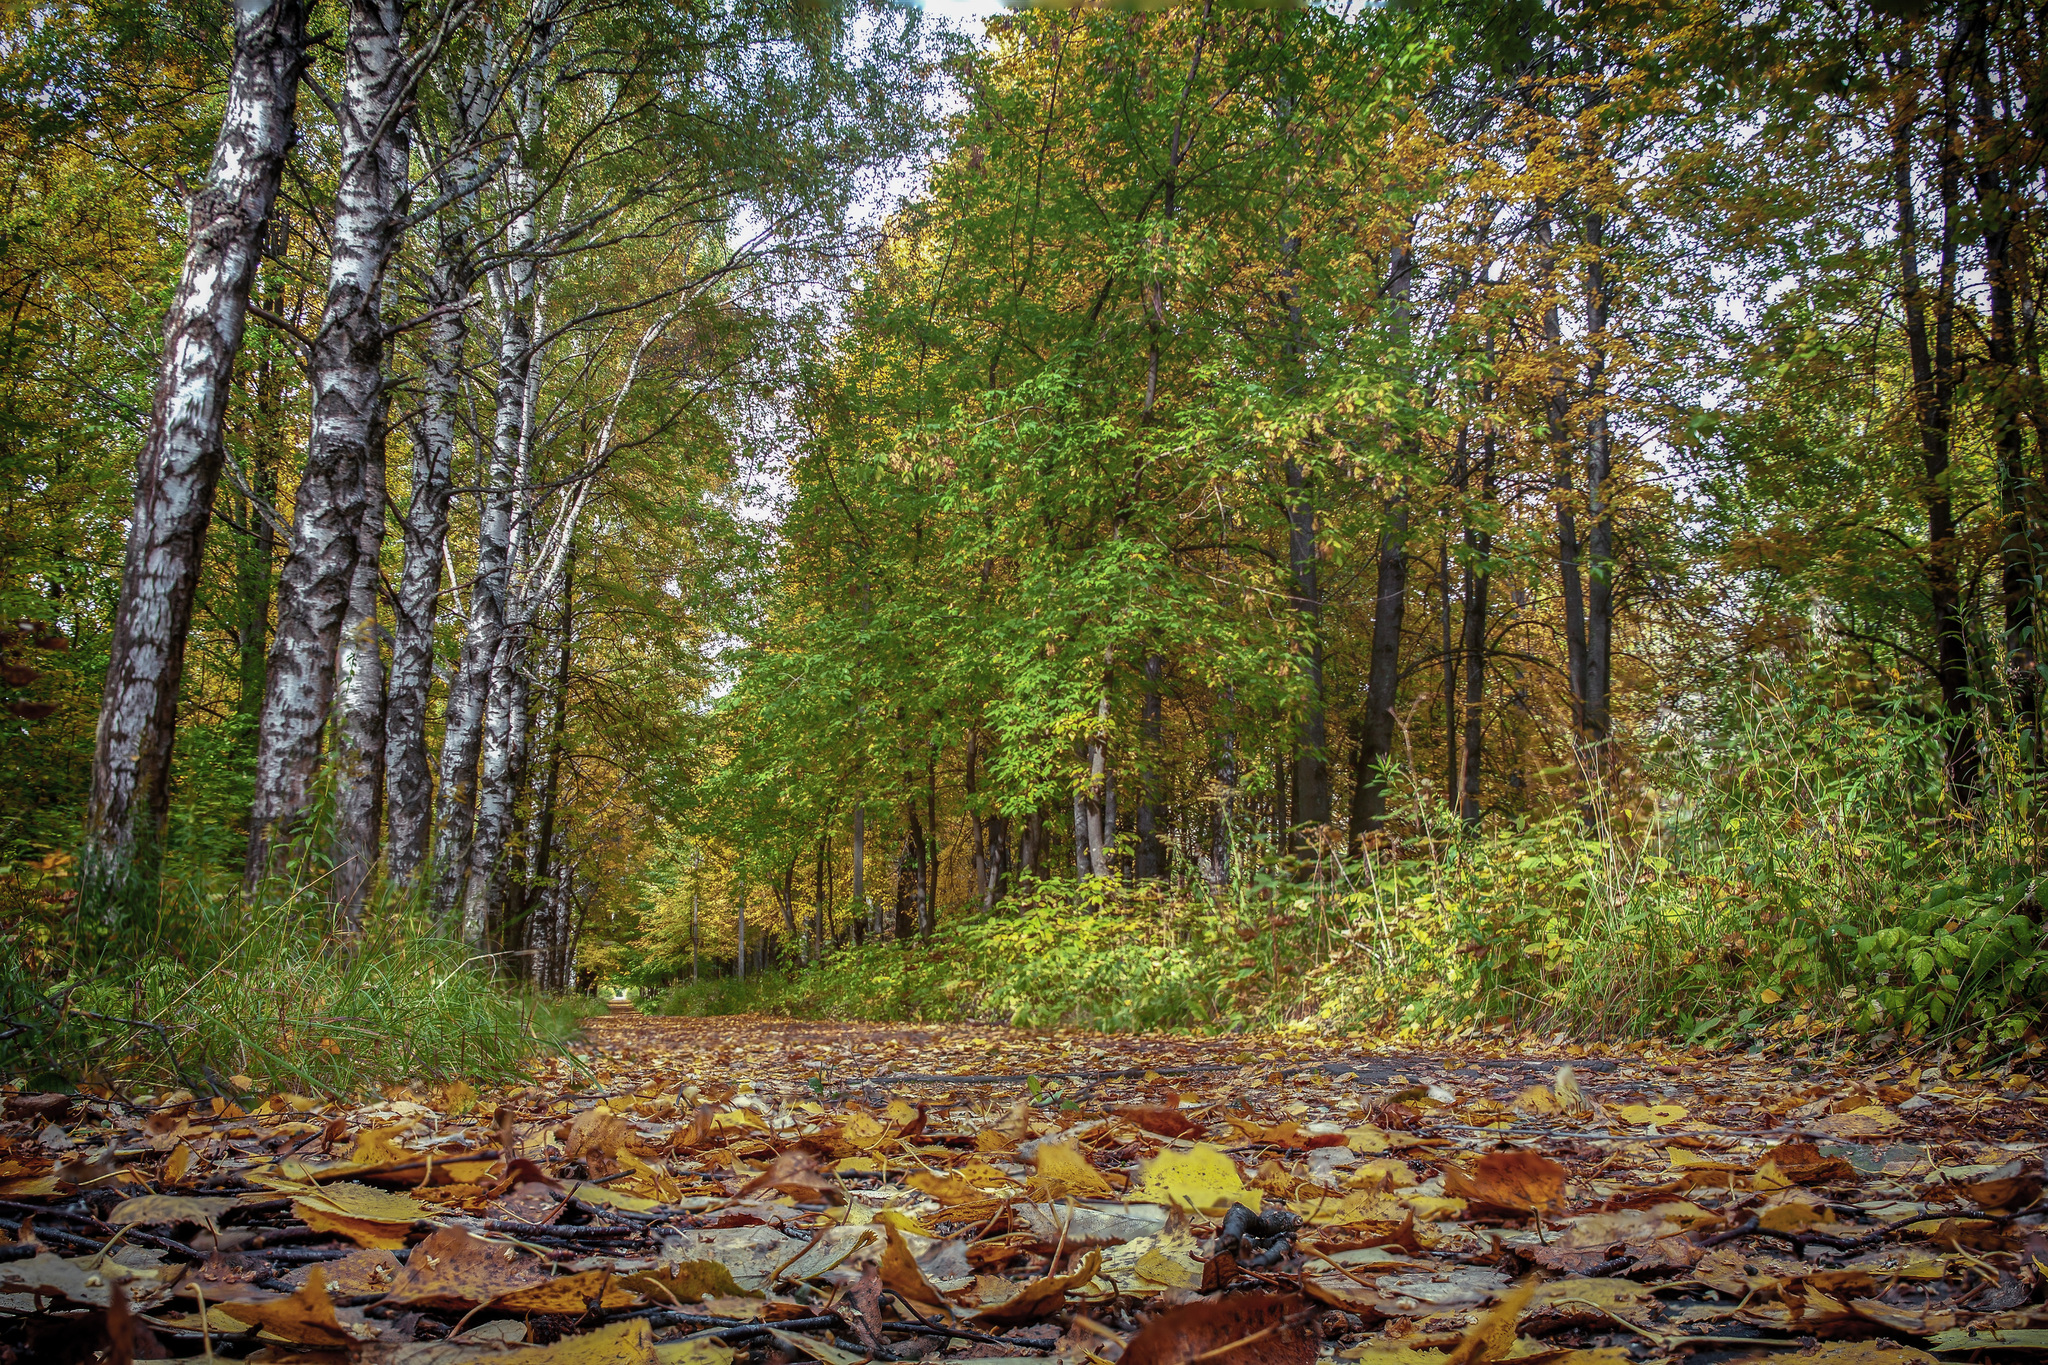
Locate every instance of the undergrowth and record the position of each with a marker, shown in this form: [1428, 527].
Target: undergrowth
[217, 991]
[1795, 884]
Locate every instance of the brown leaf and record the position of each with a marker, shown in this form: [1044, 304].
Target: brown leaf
[796, 1172]
[1167, 1120]
[305, 1318]
[453, 1269]
[1042, 1296]
[573, 1294]
[1518, 1180]
[2012, 1186]
[1245, 1329]
[900, 1271]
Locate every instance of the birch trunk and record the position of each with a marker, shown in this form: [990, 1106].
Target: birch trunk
[360, 700]
[479, 665]
[409, 786]
[346, 376]
[500, 770]
[181, 458]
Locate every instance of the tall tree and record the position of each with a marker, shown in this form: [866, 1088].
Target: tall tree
[181, 458]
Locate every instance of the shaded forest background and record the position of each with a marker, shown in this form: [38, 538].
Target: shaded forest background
[1424, 516]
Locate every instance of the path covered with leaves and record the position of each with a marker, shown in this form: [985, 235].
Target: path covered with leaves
[725, 1190]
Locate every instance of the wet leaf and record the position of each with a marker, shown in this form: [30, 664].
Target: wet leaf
[1244, 1329]
[1203, 1178]
[1519, 1180]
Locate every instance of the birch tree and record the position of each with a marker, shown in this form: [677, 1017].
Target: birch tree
[181, 457]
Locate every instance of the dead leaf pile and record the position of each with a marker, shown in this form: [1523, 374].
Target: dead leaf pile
[702, 1192]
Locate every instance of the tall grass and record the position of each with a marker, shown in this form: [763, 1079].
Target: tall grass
[213, 985]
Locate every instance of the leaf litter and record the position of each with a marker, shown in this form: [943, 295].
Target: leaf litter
[707, 1192]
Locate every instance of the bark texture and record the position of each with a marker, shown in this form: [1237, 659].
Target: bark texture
[334, 498]
[409, 785]
[180, 460]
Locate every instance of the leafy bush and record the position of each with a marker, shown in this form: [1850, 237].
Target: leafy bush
[1797, 876]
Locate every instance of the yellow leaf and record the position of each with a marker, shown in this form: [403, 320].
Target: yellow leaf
[1062, 1171]
[1493, 1335]
[903, 1222]
[1203, 1178]
[366, 1216]
[571, 1294]
[1770, 997]
[1652, 1113]
[380, 1147]
[177, 1164]
[305, 1318]
[862, 1130]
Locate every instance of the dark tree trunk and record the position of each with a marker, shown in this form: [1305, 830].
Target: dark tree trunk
[1449, 652]
[1032, 856]
[181, 457]
[1150, 857]
[1596, 724]
[1472, 649]
[1311, 775]
[1932, 351]
[558, 721]
[256, 561]
[860, 855]
[2018, 571]
[1223, 807]
[910, 877]
[928, 904]
[1373, 749]
[346, 374]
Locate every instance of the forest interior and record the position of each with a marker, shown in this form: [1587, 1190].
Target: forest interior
[1092, 603]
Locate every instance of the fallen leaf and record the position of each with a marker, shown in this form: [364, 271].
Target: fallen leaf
[796, 1172]
[1040, 1297]
[155, 1210]
[1245, 1329]
[1164, 1119]
[2012, 1186]
[1493, 1334]
[453, 1269]
[1659, 1114]
[1519, 1180]
[306, 1318]
[1203, 1178]
[367, 1216]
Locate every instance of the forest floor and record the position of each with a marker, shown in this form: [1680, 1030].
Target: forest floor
[753, 1189]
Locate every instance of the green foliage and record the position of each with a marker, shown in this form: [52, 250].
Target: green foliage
[1796, 880]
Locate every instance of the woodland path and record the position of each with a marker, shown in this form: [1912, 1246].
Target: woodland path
[747, 1189]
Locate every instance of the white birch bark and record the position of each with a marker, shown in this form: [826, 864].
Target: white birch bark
[512, 287]
[346, 376]
[180, 460]
[408, 780]
[360, 700]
